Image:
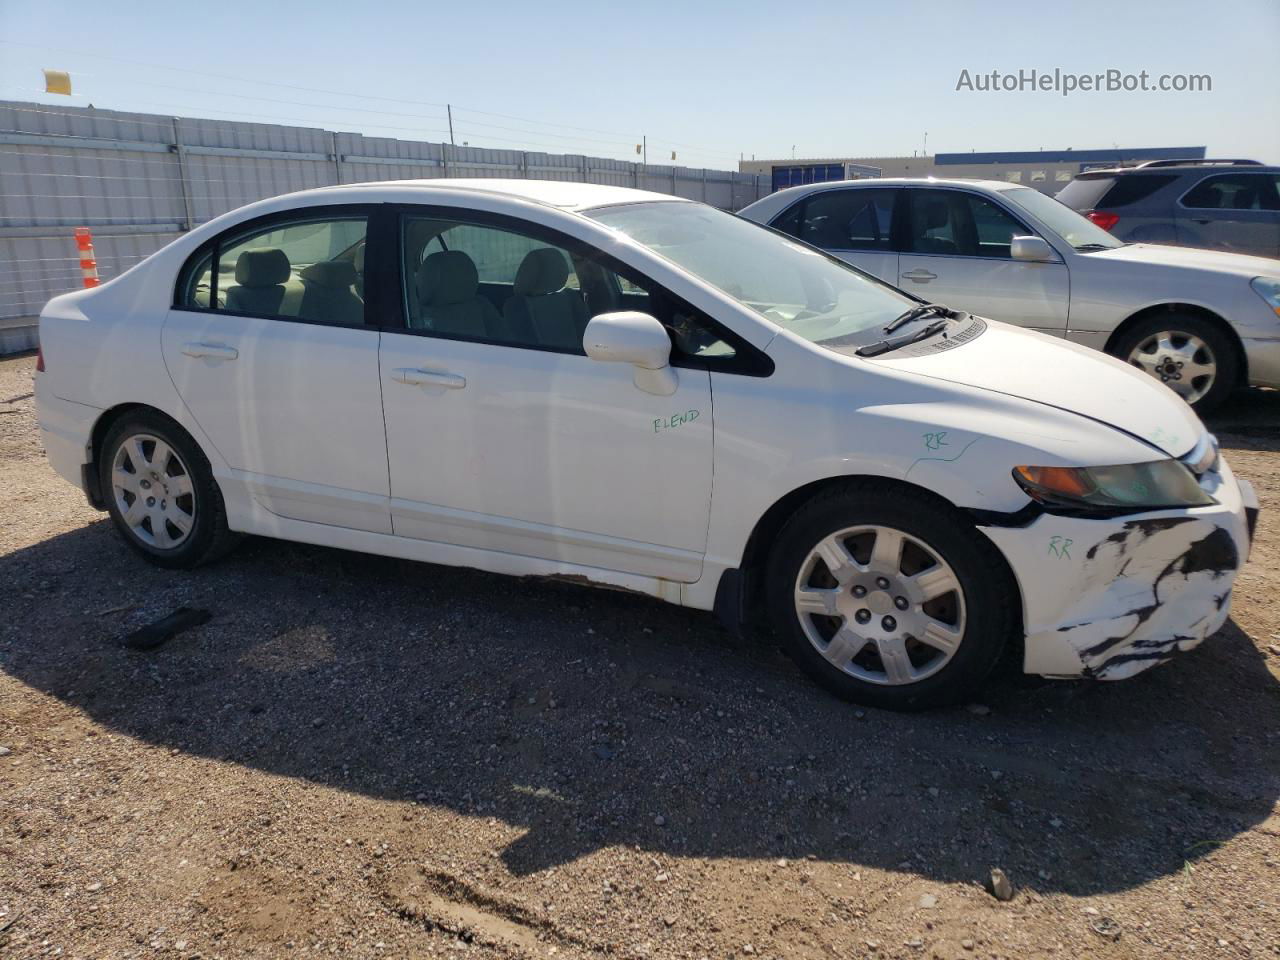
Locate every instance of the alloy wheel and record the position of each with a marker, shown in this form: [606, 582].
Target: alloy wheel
[1181, 361]
[880, 605]
[153, 491]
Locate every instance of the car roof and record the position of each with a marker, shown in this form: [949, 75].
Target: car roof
[896, 182]
[1190, 166]
[565, 194]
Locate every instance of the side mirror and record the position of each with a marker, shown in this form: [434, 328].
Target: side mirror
[635, 338]
[1036, 249]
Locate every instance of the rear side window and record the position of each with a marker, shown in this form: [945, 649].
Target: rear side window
[307, 269]
[1134, 187]
[1234, 191]
[849, 220]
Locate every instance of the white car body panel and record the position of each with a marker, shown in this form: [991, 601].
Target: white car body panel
[551, 465]
[544, 450]
[1088, 295]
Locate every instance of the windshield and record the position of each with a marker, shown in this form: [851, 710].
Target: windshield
[1062, 220]
[800, 289]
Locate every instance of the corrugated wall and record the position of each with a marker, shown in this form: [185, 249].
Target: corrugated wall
[138, 180]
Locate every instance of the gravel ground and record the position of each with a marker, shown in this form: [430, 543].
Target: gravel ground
[373, 758]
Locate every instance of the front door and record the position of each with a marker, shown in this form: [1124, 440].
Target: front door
[957, 254]
[269, 350]
[504, 436]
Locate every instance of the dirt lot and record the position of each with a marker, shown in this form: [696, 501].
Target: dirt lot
[373, 758]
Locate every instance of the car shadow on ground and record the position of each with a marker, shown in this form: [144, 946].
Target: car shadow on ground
[594, 718]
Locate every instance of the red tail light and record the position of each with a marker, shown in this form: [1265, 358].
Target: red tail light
[39, 359]
[1104, 218]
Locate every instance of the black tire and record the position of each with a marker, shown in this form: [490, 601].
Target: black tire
[989, 596]
[208, 537]
[1218, 343]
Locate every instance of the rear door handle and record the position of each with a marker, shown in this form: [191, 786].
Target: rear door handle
[920, 276]
[214, 351]
[435, 378]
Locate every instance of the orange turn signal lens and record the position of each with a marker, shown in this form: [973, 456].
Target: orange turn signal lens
[1065, 481]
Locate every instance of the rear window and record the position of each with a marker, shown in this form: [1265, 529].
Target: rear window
[1084, 194]
[1135, 187]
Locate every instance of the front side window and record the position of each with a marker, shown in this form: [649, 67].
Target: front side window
[813, 295]
[1234, 191]
[311, 269]
[954, 223]
[849, 220]
[475, 281]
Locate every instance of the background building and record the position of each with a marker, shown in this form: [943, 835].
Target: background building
[1046, 170]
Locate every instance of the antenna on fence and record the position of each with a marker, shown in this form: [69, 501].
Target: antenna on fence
[449, 109]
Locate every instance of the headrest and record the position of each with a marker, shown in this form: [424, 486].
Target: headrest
[446, 277]
[542, 271]
[263, 267]
[330, 273]
[935, 214]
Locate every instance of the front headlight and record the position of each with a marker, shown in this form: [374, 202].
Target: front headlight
[1121, 488]
[1268, 289]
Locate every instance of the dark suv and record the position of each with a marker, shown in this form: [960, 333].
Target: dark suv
[1220, 204]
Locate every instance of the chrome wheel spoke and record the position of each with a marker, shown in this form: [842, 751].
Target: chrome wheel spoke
[941, 637]
[894, 659]
[818, 601]
[843, 646]
[160, 531]
[124, 480]
[180, 486]
[838, 559]
[135, 513]
[935, 582]
[180, 519]
[886, 555]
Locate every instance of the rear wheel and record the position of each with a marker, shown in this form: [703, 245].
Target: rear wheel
[889, 598]
[161, 494]
[1188, 354]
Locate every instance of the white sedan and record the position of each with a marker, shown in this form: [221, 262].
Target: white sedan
[623, 388]
[1203, 322]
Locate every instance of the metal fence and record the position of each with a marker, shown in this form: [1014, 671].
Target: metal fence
[138, 180]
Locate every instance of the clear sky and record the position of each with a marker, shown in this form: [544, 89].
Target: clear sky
[708, 80]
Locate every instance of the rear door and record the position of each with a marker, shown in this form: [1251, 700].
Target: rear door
[853, 224]
[1239, 212]
[268, 347]
[957, 254]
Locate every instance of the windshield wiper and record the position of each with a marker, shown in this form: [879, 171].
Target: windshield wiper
[915, 313]
[1095, 246]
[893, 343]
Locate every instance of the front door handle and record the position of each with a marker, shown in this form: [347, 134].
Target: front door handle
[920, 276]
[214, 351]
[435, 378]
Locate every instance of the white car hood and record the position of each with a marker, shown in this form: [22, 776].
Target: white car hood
[1044, 369]
[1218, 261]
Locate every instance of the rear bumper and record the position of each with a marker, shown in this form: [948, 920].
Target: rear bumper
[1109, 598]
[1263, 359]
[65, 429]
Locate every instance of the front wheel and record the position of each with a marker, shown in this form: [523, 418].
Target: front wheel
[1188, 354]
[889, 598]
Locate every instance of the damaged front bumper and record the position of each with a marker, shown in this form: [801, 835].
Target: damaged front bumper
[1108, 598]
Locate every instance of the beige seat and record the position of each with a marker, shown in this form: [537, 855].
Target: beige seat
[329, 295]
[541, 309]
[261, 275]
[449, 300]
